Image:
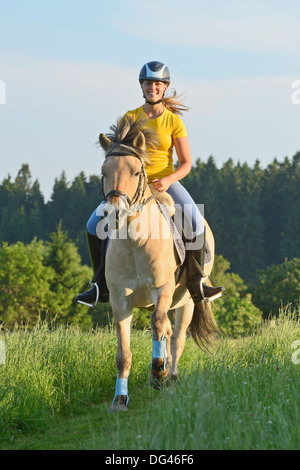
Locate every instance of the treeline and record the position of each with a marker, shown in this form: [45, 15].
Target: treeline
[25, 214]
[254, 212]
[39, 280]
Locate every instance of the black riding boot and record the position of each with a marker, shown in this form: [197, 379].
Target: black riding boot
[196, 277]
[99, 291]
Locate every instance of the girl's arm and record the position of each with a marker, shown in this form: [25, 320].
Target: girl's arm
[183, 152]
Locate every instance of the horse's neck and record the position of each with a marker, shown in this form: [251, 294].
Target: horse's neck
[140, 224]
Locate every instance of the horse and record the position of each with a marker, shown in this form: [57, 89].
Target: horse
[140, 268]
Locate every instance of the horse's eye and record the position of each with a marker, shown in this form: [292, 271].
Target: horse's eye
[137, 173]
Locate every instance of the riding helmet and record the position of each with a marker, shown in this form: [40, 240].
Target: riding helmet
[155, 71]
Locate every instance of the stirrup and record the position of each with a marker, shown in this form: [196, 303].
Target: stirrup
[97, 296]
[211, 298]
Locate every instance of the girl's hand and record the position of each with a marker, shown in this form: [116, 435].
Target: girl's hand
[162, 184]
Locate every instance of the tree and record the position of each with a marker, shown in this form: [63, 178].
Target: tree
[235, 313]
[22, 208]
[57, 207]
[289, 246]
[40, 280]
[24, 282]
[62, 256]
[247, 223]
[277, 286]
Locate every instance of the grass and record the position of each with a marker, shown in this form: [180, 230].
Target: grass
[58, 383]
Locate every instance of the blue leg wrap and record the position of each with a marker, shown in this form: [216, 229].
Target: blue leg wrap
[160, 350]
[122, 389]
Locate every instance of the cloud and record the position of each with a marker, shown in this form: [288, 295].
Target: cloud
[228, 25]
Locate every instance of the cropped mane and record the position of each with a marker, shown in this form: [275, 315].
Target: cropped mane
[124, 133]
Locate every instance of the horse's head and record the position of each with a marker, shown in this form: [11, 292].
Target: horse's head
[123, 172]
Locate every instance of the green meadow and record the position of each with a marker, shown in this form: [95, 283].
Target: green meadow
[57, 384]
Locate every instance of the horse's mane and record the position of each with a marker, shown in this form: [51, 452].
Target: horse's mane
[124, 132]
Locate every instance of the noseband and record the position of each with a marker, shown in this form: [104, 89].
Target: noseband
[140, 191]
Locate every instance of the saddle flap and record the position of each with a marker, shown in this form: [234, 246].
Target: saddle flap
[177, 238]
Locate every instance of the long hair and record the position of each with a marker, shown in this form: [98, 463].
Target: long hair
[174, 103]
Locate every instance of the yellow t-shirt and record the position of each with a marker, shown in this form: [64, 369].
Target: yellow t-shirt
[168, 126]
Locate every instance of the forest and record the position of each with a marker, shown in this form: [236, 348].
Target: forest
[254, 213]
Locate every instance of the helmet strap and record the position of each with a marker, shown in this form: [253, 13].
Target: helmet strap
[153, 103]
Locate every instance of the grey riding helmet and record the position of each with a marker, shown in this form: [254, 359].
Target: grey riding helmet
[155, 71]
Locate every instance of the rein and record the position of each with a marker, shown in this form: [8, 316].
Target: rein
[136, 204]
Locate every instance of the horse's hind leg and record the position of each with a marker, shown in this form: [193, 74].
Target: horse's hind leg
[123, 362]
[183, 317]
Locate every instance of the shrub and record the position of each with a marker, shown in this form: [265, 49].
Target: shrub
[234, 312]
[277, 286]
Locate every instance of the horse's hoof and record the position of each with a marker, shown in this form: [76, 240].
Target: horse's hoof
[159, 376]
[119, 404]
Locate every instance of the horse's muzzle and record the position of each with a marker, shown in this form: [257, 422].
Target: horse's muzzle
[115, 213]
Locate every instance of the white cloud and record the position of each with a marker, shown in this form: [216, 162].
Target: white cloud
[234, 25]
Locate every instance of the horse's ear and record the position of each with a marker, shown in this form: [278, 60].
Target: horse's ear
[105, 142]
[139, 141]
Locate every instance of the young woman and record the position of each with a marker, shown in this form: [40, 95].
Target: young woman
[163, 115]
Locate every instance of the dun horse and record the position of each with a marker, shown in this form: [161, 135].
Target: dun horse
[140, 267]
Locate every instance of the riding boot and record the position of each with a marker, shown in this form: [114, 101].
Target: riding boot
[99, 291]
[196, 277]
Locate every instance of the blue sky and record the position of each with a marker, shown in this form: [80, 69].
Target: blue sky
[70, 70]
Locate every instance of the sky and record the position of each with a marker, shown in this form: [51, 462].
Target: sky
[69, 69]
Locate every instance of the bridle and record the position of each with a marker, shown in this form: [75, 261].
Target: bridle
[137, 202]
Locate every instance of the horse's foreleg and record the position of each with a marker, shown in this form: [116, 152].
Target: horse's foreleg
[161, 331]
[160, 324]
[183, 317]
[123, 362]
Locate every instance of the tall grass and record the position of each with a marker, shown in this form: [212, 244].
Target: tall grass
[243, 396]
[49, 370]
[246, 396]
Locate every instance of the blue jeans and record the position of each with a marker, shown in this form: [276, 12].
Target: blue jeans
[182, 200]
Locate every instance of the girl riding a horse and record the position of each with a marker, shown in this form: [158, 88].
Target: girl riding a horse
[161, 113]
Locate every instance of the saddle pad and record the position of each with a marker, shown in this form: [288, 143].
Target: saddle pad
[178, 242]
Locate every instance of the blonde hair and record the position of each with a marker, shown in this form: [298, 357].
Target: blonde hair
[174, 103]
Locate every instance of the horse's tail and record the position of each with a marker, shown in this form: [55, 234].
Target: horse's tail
[203, 326]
